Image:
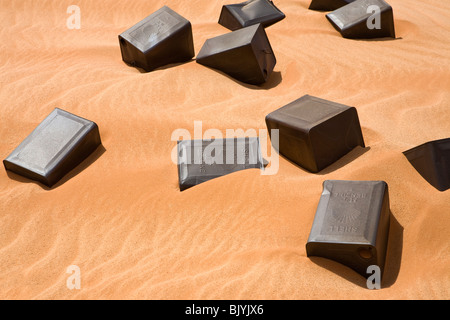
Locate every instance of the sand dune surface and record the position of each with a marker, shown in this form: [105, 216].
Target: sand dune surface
[120, 216]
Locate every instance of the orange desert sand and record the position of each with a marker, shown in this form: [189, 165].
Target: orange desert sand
[120, 216]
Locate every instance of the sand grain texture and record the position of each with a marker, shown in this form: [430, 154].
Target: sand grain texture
[121, 218]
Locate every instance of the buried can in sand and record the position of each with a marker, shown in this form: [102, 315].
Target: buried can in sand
[162, 38]
[240, 15]
[314, 133]
[364, 19]
[203, 160]
[432, 162]
[351, 225]
[60, 143]
[244, 54]
[328, 5]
